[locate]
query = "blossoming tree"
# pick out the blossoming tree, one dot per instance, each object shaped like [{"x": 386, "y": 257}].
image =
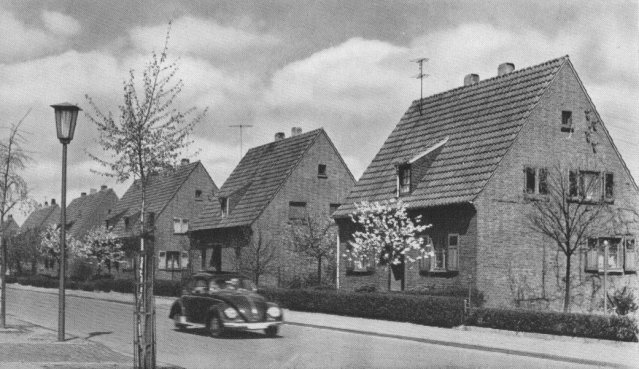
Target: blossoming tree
[
  {"x": 104, "y": 247},
  {"x": 49, "y": 245}
]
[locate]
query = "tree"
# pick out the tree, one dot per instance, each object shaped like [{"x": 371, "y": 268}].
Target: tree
[
  {"x": 387, "y": 233},
  {"x": 145, "y": 140},
  {"x": 566, "y": 216},
  {"x": 49, "y": 245},
  {"x": 23, "y": 249},
  {"x": 258, "y": 257},
  {"x": 103, "y": 246},
  {"x": 315, "y": 237},
  {"x": 13, "y": 194}
]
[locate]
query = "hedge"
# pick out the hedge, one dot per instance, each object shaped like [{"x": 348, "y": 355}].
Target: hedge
[
  {"x": 426, "y": 310},
  {"x": 608, "y": 327},
  {"x": 160, "y": 288}
]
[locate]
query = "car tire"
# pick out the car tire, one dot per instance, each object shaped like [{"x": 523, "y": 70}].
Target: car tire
[
  {"x": 272, "y": 331},
  {"x": 215, "y": 326}
]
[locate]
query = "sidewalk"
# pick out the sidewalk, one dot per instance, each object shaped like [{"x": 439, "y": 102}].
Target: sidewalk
[{"x": 569, "y": 349}]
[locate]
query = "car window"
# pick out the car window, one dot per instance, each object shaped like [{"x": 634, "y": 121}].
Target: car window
[{"x": 199, "y": 286}]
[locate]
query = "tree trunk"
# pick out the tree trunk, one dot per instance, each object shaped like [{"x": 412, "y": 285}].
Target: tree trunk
[
  {"x": 567, "y": 292},
  {"x": 319, "y": 271},
  {"x": 3, "y": 284}
]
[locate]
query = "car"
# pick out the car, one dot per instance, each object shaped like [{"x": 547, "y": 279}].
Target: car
[{"x": 222, "y": 302}]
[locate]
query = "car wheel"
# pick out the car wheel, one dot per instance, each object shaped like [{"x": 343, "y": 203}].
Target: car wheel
[
  {"x": 215, "y": 327},
  {"x": 180, "y": 326},
  {"x": 272, "y": 331}
]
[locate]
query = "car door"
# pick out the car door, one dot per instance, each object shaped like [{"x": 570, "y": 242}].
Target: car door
[{"x": 195, "y": 300}]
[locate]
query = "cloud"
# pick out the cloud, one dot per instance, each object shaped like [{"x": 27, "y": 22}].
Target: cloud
[
  {"x": 60, "y": 24},
  {"x": 19, "y": 41},
  {"x": 202, "y": 37}
]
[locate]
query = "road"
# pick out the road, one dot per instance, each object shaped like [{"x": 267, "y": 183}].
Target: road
[{"x": 110, "y": 323}]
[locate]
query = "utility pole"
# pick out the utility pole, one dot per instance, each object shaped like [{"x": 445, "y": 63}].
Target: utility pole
[
  {"x": 421, "y": 77},
  {"x": 241, "y": 126}
]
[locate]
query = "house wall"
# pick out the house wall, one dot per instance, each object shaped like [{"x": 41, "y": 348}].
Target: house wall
[
  {"x": 303, "y": 185},
  {"x": 182, "y": 205},
  {"x": 99, "y": 215},
  {"x": 513, "y": 262}
]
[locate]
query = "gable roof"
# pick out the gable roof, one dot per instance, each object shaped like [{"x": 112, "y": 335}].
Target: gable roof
[
  {"x": 255, "y": 181},
  {"x": 481, "y": 122},
  {"x": 42, "y": 217},
  {"x": 160, "y": 190},
  {"x": 10, "y": 225},
  {"x": 80, "y": 210}
]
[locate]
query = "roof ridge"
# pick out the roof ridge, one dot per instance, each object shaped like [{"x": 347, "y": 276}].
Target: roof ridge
[
  {"x": 492, "y": 79},
  {"x": 314, "y": 131}
]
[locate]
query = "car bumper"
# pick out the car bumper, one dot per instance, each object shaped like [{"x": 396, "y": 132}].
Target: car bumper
[{"x": 250, "y": 326}]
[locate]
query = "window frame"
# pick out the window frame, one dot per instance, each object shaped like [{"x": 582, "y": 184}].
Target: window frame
[
  {"x": 539, "y": 178},
  {"x": 300, "y": 206},
  {"x": 322, "y": 171},
  {"x": 445, "y": 262},
  {"x": 180, "y": 225},
  {"x": 404, "y": 179},
  {"x": 622, "y": 256},
  {"x": 566, "y": 121},
  {"x": 604, "y": 186},
  {"x": 198, "y": 195}
]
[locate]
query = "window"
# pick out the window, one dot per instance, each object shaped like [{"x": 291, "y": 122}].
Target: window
[
  {"x": 446, "y": 255},
  {"x": 332, "y": 208},
  {"x": 535, "y": 181},
  {"x": 127, "y": 224},
  {"x": 150, "y": 219},
  {"x": 621, "y": 254},
  {"x": 180, "y": 225},
  {"x": 404, "y": 174},
  {"x": 198, "y": 195},
  {"x": 224, "y": 205},
  {"x": 364, "y": 264},
  {"x": 566, "y": 121},
  {"x": 609, "y": 186},
  {"x": 169, "y": 260},
  {"x": 297, "y": 211},
  {"x": 591, "y": 186},
  {"x": 321, "y": 171},
  {"x": 184, "y": 261}
]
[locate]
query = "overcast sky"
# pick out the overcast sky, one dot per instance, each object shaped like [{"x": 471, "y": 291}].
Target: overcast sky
[{"x": 341, "y": 65}]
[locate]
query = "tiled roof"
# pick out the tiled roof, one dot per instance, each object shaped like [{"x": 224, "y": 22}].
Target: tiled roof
[
  {"x": 159, "y": 191},
  {"x": 80, "y": 210},
  {"x": 255, "y": 181},
  {"x": 10, "y": 226},
  {"x": 42, "y": 217},
  {"x": 481, "y": 122}
]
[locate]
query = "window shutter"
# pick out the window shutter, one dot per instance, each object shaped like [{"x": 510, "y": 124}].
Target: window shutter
[
  {"x": 452, "y": 258},
  {"x": 184, "y": 262},
  {"x": 177, "y": 225},
  {"x": 631, "y": 255},
  {"x": 572, "y": 179},
  {"x": 185, "y": 225},
  {"x": 162, "y": 260},
  {"x": 592, "y": 260}
]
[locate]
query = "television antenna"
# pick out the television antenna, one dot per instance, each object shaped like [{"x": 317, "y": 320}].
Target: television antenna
[
  {"x": 241, "y": 127},
  {"x": 421, "y": 77}
]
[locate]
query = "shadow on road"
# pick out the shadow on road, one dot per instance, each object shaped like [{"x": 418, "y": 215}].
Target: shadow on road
[
  {"x": 93, "y": 334},
  {"x": 233, "y": 335}
]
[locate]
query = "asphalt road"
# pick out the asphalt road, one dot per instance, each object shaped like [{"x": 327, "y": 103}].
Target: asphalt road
[{"x": 110, "y": 323}]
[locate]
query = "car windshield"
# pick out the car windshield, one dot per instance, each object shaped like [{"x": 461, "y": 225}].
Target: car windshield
[{"x": 231, "y": 283}]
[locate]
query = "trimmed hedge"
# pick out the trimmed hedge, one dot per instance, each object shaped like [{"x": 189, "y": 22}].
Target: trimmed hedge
[
  {"x": 608, "y": 327},
  {"x": 161, "y": 287},
  {"x": 426, "y": 310}
]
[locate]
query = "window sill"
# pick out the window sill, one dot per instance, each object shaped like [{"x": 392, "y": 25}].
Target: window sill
[
  {"x": 568, "y": 129},
  {"x": 611, "y": 271},
  {"x": 359, "y": 273},
  {"x": 591, "y": 202},
  {"x": 322, "y": 176},
  {"x": 439, "y": 273}
]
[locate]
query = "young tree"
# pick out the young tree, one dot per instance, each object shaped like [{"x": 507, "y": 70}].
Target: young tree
[
  {"x": 13, "y": 194},
  {"x": 258, "y": 257},
  {"x": 146, "y": 139},
  {"x": 104, "y": 247},
  {"x": 315, "y": 237},
  {"x": 49, "y": 245},
  {"x": 567, "y": 216},
  {"x": 386, "y": 232}
]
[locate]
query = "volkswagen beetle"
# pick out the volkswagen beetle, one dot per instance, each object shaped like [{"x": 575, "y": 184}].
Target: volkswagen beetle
[{"x": 224, "y": 301}]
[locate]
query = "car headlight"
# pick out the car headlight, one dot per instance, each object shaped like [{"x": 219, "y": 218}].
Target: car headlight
[
  {"x": 274, "y": 311},
  {"x": 230, "y": 313}
]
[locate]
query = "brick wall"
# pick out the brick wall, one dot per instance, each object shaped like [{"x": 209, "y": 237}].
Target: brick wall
[{"x": 511, "y": 257}]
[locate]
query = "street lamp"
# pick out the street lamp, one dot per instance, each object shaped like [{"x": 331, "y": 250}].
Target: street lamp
[{"x": 66, "y": 116}]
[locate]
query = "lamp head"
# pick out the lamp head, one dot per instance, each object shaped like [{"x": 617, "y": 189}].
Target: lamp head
[{"x": 66, "y": 116}]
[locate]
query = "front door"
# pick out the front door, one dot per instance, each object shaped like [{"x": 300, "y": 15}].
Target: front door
[{"x": 397, "y": 276}]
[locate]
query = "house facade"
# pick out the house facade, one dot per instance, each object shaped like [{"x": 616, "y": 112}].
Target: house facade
[
  {"x": 475, "y": 161},
  {"x": 173, "y": 200},
  {"x": 30, "y": 230},
  {"x": 89, "y": 211},
  {"x": 275, "y": 188}
]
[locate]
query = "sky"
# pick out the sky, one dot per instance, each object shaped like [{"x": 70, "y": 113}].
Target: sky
[{"x": 341, "y": 65}]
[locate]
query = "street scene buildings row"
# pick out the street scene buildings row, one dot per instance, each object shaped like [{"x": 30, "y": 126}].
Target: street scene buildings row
[{"x": 474, "y": 161}]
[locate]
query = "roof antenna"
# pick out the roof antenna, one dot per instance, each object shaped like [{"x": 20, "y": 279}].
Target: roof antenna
[
  {"x": 240, "y": 126},
  {"x": 421, "y": 77}
]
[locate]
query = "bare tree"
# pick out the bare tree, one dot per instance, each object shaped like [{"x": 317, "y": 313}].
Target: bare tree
[
  {"x": 13, "y": 193},
  {"x": 258, "y": 257},
  {"x": 568, "y": 215},
  {"x": 314, "y": 237},
  {"x": 147, "y": 139}
]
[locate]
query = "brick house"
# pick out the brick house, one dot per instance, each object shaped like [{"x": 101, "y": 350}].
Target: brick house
[
  {"x": 173, "y": 199},
  {"x": 472, "y": 161},
  {"x": 89, "y": 211},
  {"x": 35, "y": 223},
  {"x": 272, "y": 189}
]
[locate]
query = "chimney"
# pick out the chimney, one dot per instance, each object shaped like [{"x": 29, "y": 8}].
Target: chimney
[
  {"x": 52, "y": 202},
  {"x": 82, "y": 194},
  {"x": 103, "y": 187},
  {"x": 505, "y": 68},
  {"x": 46, "y": 203},
  {"x": 184, "y": 161},
  {"x": 470, "y": 79},
  {"x": 92, "y": 191},
  {"x": 279, "y": 136},
  {"x": 296, "y": 131}
]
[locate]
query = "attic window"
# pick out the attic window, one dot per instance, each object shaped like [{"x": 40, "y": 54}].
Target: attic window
[
  {"x": 127, "y": 224},
  {"x": 198, "y": 195},
  {"x": 566, "y": 121},
  {"x": 321, "y": 171},
  {"x": 403, "y": 179},
  {"x": 224, "y": 205}
]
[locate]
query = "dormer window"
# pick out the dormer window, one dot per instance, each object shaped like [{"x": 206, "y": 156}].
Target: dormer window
[
  {"x": 127, "y": 224},
  {"x": 198, "y": 195},
  {"x": 403, "y": 179},
  {"x": 224, "y": 205},
  {"x": 321, "y": 171},
  {"x": 566, "y": 121}
]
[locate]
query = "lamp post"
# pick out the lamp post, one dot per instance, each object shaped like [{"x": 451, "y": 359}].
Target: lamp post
[{"x": 66, "y": 116}]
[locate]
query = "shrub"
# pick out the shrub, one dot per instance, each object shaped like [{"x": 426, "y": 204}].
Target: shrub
[
  {"x": 425, "y": 310},
  {"x": 167, "y": 288},
  {"x": 607, "y": 327},
  {"x": 80, "y": 270},
  {"x": 623, "y": 301},
  {"x": 123, "y": 285}
]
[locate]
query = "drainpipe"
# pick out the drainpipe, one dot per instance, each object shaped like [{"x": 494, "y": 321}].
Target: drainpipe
[
  {"x": 605, "y": 277},
  {"x": 337, "y": 261}
]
